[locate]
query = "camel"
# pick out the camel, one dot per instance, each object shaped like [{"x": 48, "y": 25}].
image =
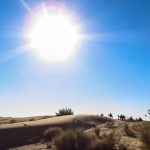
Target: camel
[
  {"x": 102, "y": 115},
  {"x": 121, "y": 117},
  {"x": 110, "y": 115},
  {"x": 130, "y": 118},
  {"x": 118, "y": 117}
]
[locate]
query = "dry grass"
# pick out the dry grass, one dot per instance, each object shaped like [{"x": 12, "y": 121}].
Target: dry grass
[
  {"x": 122, "y": 147},
  {"x": 13, "y": 121},
  {"x": 31, "y": 119},
  {"x": 73, "y": 140},
  {"x": 128, "y": 131},
  {"x": 50, "y": 133},
  {"x": 145, "y": 134},
  {"x": 108, "y": 142},
  {"x": 79, "y": 140},
  {"x": 110, "y": 124},
  {"x": 97, "y": 131},
  {"x": 102, "y": 145}
]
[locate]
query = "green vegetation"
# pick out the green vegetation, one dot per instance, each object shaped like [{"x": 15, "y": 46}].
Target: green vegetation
[{"x": 65, "y": 111}]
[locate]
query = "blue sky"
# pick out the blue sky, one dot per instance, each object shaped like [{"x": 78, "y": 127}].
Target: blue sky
[{"x": 109, "y": 73}]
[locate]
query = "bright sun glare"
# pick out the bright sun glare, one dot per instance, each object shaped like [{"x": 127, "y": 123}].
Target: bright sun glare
[{"x": 53, "y": 34}]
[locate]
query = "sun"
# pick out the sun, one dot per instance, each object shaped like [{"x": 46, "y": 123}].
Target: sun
[{"x": 53, "y": 35}]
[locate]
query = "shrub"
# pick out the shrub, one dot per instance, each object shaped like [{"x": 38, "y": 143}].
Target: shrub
[
  {"x": 79, "y": 140},
  {"x": 106, "y": 143},
  {"x": 31, "y": 119},
  {"x": 145, "y": 134},
  {"x": 50, "y": 133},
  {"x": 73, "y": 140},
  {"x": 49, "y": 145},
  {"x": 128, "y": 131},
  {"x": 65, "y": 111},
  {"x": 109, "y": 141},
  {"x": 110, "y": 124},
  {"x": 97, "y": 131},
  {"x": 122, "y": 147},
  {"x": 13, "y": 121}
]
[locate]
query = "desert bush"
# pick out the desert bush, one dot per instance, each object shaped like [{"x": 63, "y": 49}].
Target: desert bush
[
  {"x": 97, "y": 131},
  {"x": 50, "y": 133},
  {"x": 122, "y": 147},
  {"x": 13, "y": 121},
  {"x": 49, "y": 145},
  {"x": 110, "y": 124},
  {"x": 145, "y": 134},
  {"x": 107, "y": 142},
  {"x": 64, "y": 111},
  {"x": 102, "y": 145},
  {"x": 31, "y": 119},
  {"x": 128, "y": 131},
  {"x": 73, "y": 140},
  {"x": 79, "y": 140}
]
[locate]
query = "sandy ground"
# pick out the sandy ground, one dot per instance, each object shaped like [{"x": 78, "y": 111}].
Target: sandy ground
[
  {"x": 58, "y": 120},
  {"x": 105, "y": 125},
  {"x": 37, "y": 146},
  {"x": 20, "y": 133},
  {"x": 132, "y": 143},
  {"x": 10, "y": 120}
]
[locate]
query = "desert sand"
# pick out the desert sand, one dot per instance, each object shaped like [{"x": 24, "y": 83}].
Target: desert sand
[{"x": 25, "y": 135}]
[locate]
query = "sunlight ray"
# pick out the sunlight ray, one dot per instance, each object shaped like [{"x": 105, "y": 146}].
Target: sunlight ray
[
  {"x": 26, "y": 6},
  {"x": 12, "y": 53}
]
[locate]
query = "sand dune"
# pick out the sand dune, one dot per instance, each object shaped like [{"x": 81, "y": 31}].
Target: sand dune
[
  {"x": 8, "y": 120},
  {"x": 117, "y": 127},
  {"x": 29, "y": 131}
]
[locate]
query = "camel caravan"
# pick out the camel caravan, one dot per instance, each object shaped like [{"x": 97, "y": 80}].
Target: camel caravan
[{"x": 123, "y": 117}]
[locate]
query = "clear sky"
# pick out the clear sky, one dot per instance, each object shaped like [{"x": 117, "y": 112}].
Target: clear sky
[{"x": 109, "y": 73}]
